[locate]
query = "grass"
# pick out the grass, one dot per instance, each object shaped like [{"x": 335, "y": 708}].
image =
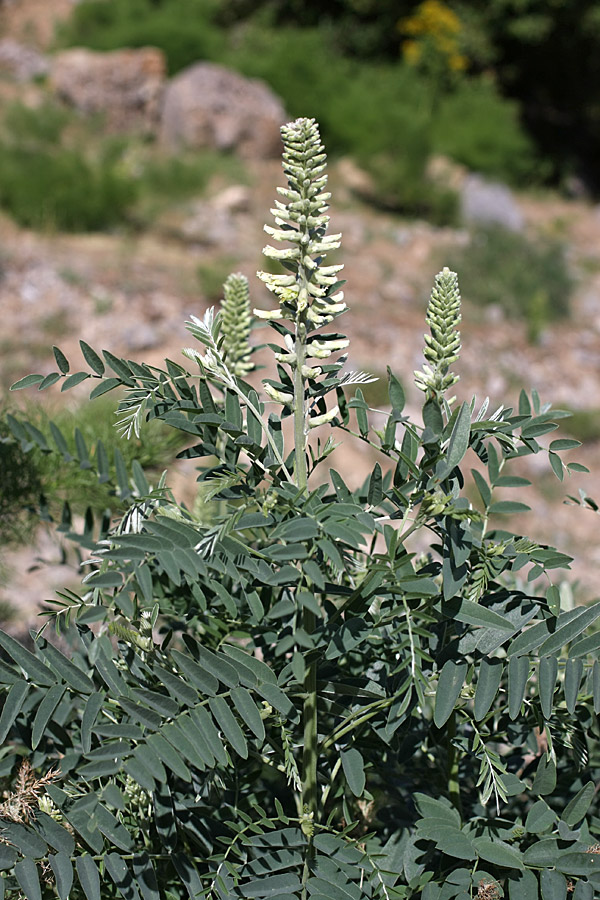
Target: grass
[
  {"x": 59, "y": 172},
  {"x": 526, "y": 277}
]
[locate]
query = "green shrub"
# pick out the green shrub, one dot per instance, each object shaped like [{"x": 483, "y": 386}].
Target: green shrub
[
  {"x": 183, "y": 29},
  {"x": 287, "y": 701},
  {"x": 527, "y": 278},
  {"x": 475, "y": 126},
  {"x": 48, "y": 182}
]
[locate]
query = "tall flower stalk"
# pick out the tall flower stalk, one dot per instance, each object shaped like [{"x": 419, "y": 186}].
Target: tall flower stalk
[
  {"x": 308, "y": 295},
  {"x": 309, "y": 299}
]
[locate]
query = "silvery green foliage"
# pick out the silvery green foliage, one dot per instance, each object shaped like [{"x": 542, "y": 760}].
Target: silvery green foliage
[{"x": 275, "y": 696}]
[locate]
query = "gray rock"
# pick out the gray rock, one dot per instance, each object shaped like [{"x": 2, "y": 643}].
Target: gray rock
[
  {"x": 20, "y": 62},
  {"x": 208, "y": 105},
  {"x": 125, "y": 86},
  {"x": 490, "y": 203}
]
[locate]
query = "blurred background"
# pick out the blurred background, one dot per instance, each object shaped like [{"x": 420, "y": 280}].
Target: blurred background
[{"x": 139, "y": 155}]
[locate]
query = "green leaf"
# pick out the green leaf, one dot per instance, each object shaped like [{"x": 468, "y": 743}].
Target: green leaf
[
  {"x": 67, "y": 670},
  {"x": 354, "y": 770},
  {"x": 61, "y": 360},
  {"x": 26, "y": 874},
  {"x": 572, "y": 629},
  {"x": 498, "y": 853},
  {"x": 583, "y": 891},
  {"x": 204, "y": 722},
  {"x": 93, "y": 706},
  {"x": 545, "y": 776},
  {"x": 577, "y": 863},
  {"x": 54, "y": 834},
  {"x": 518, "y": 673},
  {"x": 475, "y": 614},
  {"x": 548, "y": 672},
  {"x": 396, "y": 393},
  {"x": 459, "y": 442},
  {"x": 579, "y": 805},
  {"x": 140, "y": 714},
  {"x": 120, "y": 874},
  {"x": 375, "y": 489},
  {"x": 274, "y": 886},
  {"x": 111, "y": 828},
  {"x": 26, "y": 382},
  {"x": 229, "y": 725},
  {"x": 248, "y": 711},
  {"x": 508, "y": 507},
  {"x": 483, "y": 487},
  {"x": 564, "y": 444},
  {"x": 361, "y": 407},
  {"x": 488, "y": 683},
  {"x": 106, "y": 385},
  {"x": 204, "y": 681},
  {"x": 557, "y": 465},
  {"x": 169, "y": 756},
  {"x": 539, "y": 818},
  {"x": 30, "y": 663},
  {"x": 523, "y": 885},
  {"x": 92, "y": 358},
  {"x": 573, "y": 675},
  {"x": 118, "y": 366},
  {"x": 73, "y": 380},
  {"x": 48, "y": 381},
  {"x": 451, "y": 682},
  {"x": 25, "y": 839},
  {"x": 188, "y": 875},
  {"x": 63, "y": 873},
  {"x": 553, "y": 598},
  {"x": 12, "y": 707},
  {"x": 87, "y": 872},
  {"x": 163, "y": 705},
  {"x": 44, "y": 712},
  {"x": 8, "y": 856},
  {"x": 145, "y": 876},
  {"x": 553, "y": 885}
]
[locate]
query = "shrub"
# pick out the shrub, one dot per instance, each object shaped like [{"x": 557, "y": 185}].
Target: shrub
[
  {"x": 286, "y": 701},
  {"x": 475, "y": 126},
  {"x": 183, "y": 29},
  {"x": 47, "y": 184},
  {"x": 527, "y": 278}
]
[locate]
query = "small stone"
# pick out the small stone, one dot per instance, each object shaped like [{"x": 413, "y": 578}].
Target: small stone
[{"x": 490, "y": 203}]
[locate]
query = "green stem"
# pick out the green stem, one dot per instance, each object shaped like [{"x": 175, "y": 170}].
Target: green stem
[
  {"x": 300, "y": 467},
  {"x": 453, "y": 782}
]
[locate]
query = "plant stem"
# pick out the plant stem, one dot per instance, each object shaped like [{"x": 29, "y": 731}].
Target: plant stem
[
  {"x": 300, "y": 468},
  {"x": 453, "y": 783}
]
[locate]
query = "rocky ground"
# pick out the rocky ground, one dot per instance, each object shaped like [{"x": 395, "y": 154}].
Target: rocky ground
[{"x": 131, "y": 293}]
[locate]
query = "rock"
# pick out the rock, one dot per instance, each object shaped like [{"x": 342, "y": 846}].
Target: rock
[
  {"x": 208, "y": 105},
  {"x": 20, "y": 62},
  {"x": 233, "y": 199},
  {"x": 490, "y": 203},
  {"x": 126, "y": 86}
]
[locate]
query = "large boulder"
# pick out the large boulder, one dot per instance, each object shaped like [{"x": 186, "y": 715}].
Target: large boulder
[
  {"x": 125, "y": 86},
  {"x": 208, "y": 105}
]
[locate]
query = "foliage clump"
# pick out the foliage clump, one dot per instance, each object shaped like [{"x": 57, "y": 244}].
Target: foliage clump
[{"x": 278, "y": 697}]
